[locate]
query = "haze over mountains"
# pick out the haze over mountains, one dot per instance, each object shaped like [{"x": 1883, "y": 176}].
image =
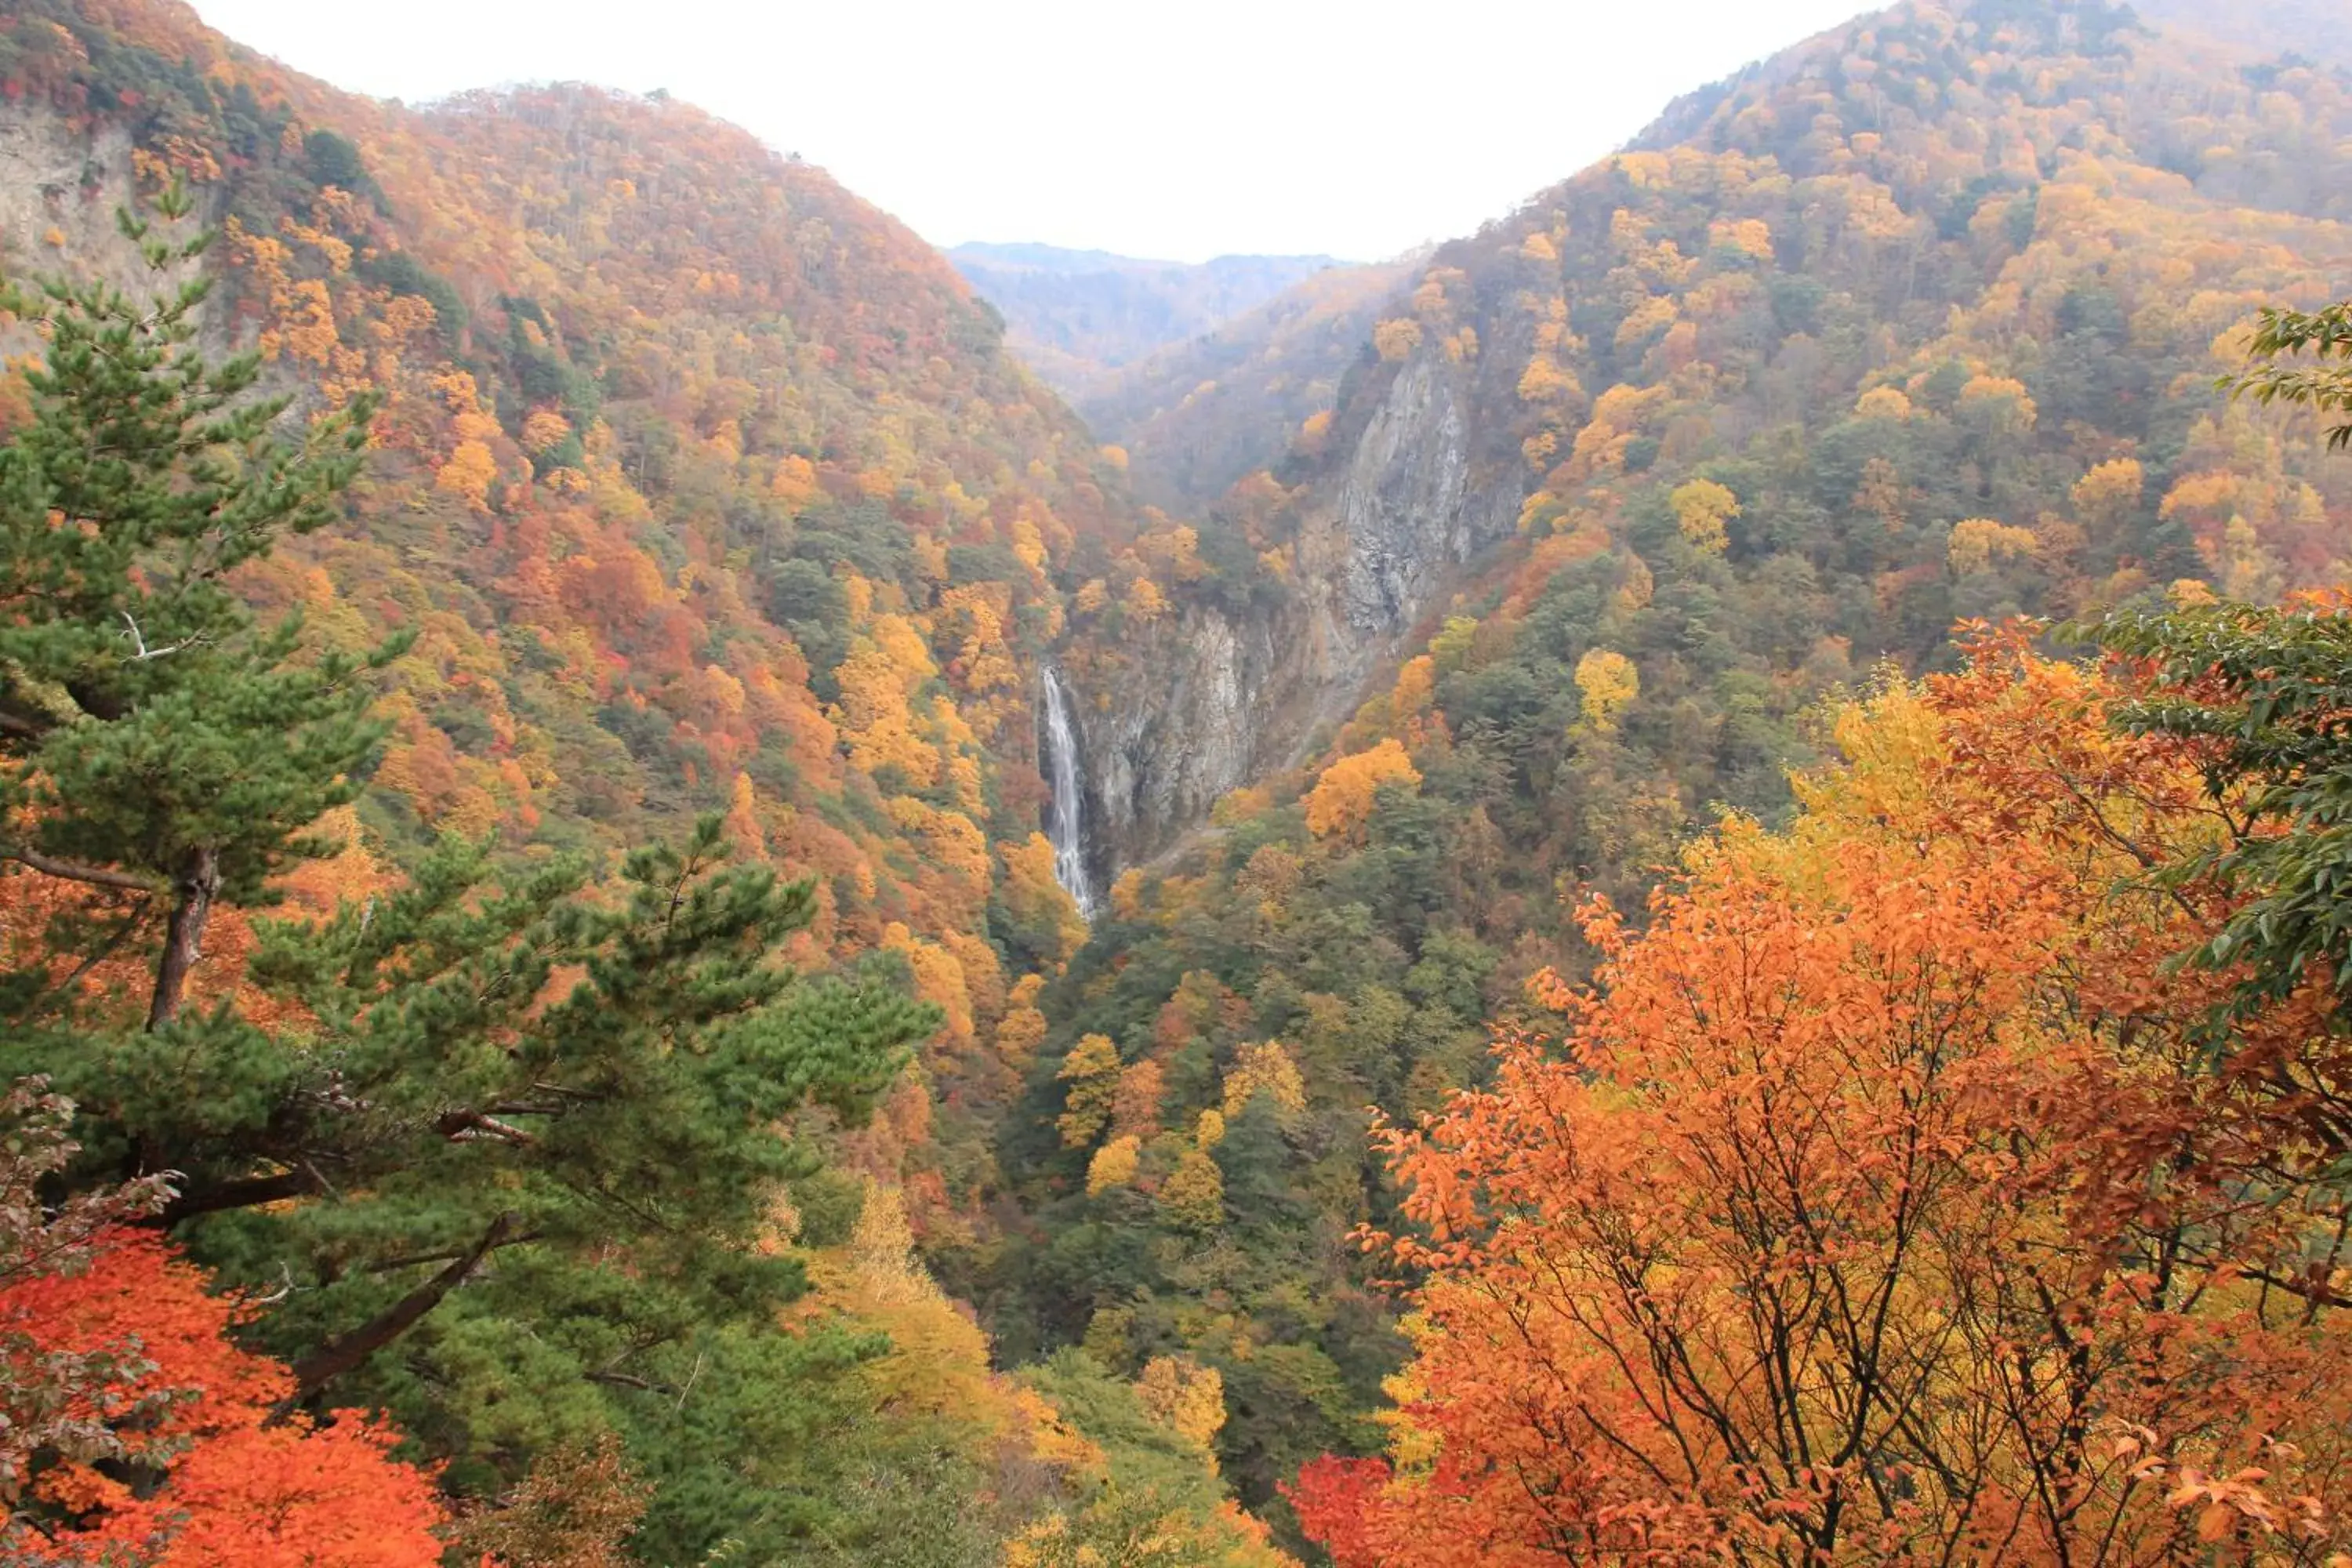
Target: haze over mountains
[
  {"x": 1336, "y": 630},
  {"x": 1074, "y": 314}
]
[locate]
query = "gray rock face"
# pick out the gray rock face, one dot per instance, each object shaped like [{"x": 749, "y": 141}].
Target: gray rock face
[
  {"x": 1182, "y": 728},
  {"x": 1207, "y": 702},
  {"x": 1401, "y": 513}
]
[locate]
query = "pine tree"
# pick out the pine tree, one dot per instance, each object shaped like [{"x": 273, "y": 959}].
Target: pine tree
[
  {"x": 157, "y": 743},
  {"x": 491, "y": 1141}
]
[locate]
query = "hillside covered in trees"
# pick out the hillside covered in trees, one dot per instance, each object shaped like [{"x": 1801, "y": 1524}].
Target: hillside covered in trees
[
  {"x": 540, "y": 1010},
  {"x": 1916, "y": 325},
  {"x": 697, "y": 557}
]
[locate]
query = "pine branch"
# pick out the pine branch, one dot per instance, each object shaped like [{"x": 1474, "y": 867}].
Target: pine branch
[
  {"x": 338, "y": 1356},
  {"x": 77, "y": 872}
]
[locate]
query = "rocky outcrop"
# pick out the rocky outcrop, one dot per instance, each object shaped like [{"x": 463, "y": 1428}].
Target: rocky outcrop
[
  {"x": 1182, "y": 725},
  {"x": 1204, "y": 702}
]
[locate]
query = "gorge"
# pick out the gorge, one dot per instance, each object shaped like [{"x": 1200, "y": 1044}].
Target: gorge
[{"x": 839, "y": 956}]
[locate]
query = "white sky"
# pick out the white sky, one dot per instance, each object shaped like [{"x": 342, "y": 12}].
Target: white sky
[{"x": 1174, "y": 131}]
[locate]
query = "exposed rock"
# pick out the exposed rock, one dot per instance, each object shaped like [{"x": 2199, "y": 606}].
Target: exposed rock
[{"x": 1204, "y": 702}]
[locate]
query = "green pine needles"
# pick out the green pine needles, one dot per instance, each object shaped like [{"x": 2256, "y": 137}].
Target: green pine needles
[{"x": 158, "y": 741}]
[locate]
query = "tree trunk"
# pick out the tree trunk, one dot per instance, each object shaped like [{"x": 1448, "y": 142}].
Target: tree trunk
[
  {"x": 331, "y": 1360},
  {"x": 183, "y": 938}
]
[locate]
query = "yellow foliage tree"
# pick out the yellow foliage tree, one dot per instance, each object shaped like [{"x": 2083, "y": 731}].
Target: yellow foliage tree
[
  {"x": 1609, "y": 683},
  {"x": 1113, "y": 1165},
  {"x": 2107, "y": 495},
  {"x": 1882, "y": 403},
  {"x": 1091, "y": 1070},
  {"x": 1267, "y": 1069},
  {"x": 1415, "y": 684},
  {"x": 1019, "y": 1034},
  {"x": 1127, "y": 893},
  {"x": 1397, "y": 339},
  {"x": 874, "y": 715},
  {"x": 1998, "y": 404},
  {"x": 1702, "y": 507},
  {"x": 1978, "y": 542},
  {"x": 1145, "y": 602},
  {"x": 469, "y": 474},
  {"x": 1184, "y": 1396},
  {"x": 1193, "y": 1196}
]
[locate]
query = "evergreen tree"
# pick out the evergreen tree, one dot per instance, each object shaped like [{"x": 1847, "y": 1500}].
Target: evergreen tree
[
  {"x": 156, "y": 741},
  {"x": 488, "y": 1141}
]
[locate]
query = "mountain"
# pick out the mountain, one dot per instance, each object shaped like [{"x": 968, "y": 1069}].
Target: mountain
[
  {"x": 699, "y": 485},
  {"x": 1195, "y": 417},
  {"x": 1425, "y": 602},
  {"x": 1460, "y": 418},
  {"x": 1076, "y": 315},
  {"x": 1918, "y": 322}
]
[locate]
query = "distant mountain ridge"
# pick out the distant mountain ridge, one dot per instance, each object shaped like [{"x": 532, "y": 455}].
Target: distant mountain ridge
[
  {"x": 1196, "y": 417},
  {"x": 2317, "y": 30},
  {"x": 1079, "y": 315}
]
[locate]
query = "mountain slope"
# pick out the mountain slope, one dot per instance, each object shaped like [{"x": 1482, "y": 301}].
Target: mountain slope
[
  {"x": 702, "y": 486},
  {"x": 1197, "y": 417},
  {"x": 1079, "y": 315},
  {"x": 1915, "y": 322}
]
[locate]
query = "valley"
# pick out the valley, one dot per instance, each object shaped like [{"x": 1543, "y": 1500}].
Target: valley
[{"x": 795, "y": 898}]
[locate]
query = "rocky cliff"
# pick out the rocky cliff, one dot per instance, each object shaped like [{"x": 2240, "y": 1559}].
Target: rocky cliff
[
  {"x": 1666, "y": 307},
  {"x": 1408, "y": 492}
]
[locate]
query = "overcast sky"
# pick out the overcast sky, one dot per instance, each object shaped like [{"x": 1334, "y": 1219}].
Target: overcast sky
[{"x": 1178, "y": 130}]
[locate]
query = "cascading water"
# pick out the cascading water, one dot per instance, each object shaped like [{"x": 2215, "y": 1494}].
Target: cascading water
[{"x": 1066, "y": 823}]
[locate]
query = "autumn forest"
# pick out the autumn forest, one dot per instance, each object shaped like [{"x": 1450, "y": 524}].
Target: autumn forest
[{"x": 1669, "y": 884}]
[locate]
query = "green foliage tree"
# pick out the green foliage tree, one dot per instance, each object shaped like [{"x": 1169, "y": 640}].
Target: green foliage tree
[
  {"x": 2264, "y": 692},
  {"x": 596, "y": 1080},
  {"x": 155, "y": 739},
  {"x": 2323, "y": 384}
]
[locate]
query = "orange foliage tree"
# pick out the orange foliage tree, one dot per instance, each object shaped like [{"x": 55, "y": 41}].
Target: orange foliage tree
[
  {"x": 1883, "y": 1202},
  {"x": 1341, "y": 801}
]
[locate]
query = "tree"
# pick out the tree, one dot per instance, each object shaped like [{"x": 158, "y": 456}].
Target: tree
[
  {"x": 1091, "y": 1070},
  {"x": 59, "y": 1404},
  {"x": 1607, "y": 681},
  {"x": 576, "y": 1510},
  {"x": 585, "y": 1085},
  {"x": 1701, "y": 509},
  {"x": 1192, "y": 1198},
  {"x": 2325, "y": 386},
  {"x": 1264, "y": 1068},
  {"x": 157, "y": 743},
  {"x": 1341, "y": 801},
  {"x": 179, "y": 1458},
  {"x": 1879, "y": 1202},
  {"x": 2259, "y": 695},
  {"x": 1113, "y": 1165}
]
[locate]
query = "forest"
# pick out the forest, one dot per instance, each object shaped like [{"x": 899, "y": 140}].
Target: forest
[{"x": 1795, "y": 1017}]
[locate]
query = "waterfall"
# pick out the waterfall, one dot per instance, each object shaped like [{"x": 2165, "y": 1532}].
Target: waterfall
[{"x": 1065, "y": 821}]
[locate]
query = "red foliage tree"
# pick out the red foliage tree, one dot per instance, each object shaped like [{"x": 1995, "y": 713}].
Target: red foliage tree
[{"x": 218, "y": 1481}]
